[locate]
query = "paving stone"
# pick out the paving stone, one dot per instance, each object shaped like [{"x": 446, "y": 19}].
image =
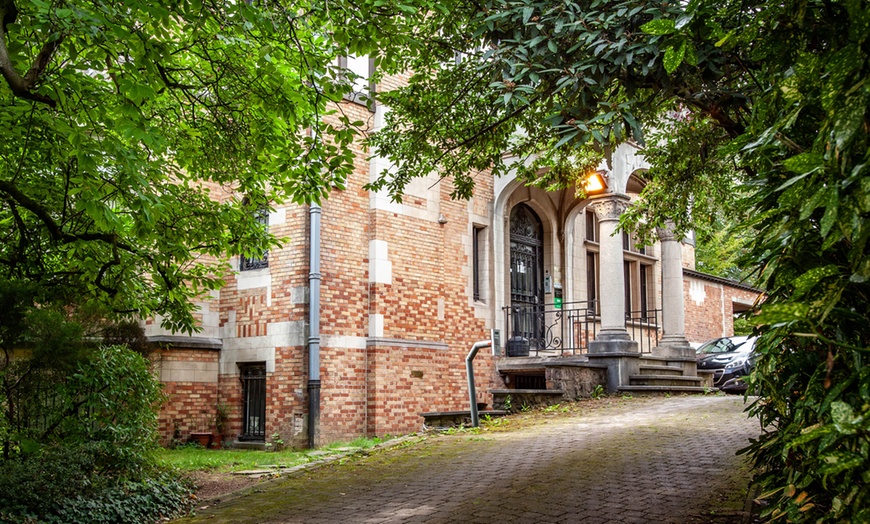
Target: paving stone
[{"x": 655, "y": 460}]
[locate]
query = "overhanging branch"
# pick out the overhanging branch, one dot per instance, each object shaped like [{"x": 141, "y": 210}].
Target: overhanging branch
[{"x": 22, "y": 87}]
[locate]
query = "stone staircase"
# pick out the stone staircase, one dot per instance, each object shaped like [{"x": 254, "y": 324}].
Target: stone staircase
[{"x": 657, "y": 375}]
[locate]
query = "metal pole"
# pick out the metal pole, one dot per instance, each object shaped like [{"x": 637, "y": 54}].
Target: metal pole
[
  {"x": 469, "y": 370},
  {"x": 314, "y": 213}
]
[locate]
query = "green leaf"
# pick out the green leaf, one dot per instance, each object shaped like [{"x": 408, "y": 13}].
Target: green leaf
[
  {"x": 659, "y": 27},
  {"x": 527, "y": 14},
  {"x": 830, "y": 217},
  {"x": 781, "y": 313},
  {"x": 804, "y": 163},
  {"x": 808, "y": 280},
  {"x": 838, "y": 462},
  {"x": 722, "y": 41},
  {"x": 674, "y": 57},
  {"x": 848, "y": 119},
  {"x": 844, "y": 417}
]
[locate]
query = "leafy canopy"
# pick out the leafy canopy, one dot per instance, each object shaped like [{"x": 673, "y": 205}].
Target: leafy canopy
[
  {"x": 769, "y": 102},
  {"x": 129, "y": 127}
]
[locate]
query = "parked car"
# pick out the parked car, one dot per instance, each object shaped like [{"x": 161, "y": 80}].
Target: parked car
[{"x": 728, "y": 357}]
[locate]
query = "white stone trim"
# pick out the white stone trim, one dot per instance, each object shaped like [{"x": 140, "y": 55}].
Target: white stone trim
[
  {"x": 380, "y": 267},
  {"x": 259, "y": 349},
  {"x": 376, "y": 325}
]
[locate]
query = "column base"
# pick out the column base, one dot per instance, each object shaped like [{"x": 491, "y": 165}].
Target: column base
[
  {"x": 674, "y": 346},
  {"x": 615, "y": 347}
]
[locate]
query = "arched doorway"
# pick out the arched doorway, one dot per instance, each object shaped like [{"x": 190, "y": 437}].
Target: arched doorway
[{"x": 527, "y": 279}]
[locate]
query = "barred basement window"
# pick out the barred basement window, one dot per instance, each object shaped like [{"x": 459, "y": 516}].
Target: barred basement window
[{"x": 249, "y": 263}]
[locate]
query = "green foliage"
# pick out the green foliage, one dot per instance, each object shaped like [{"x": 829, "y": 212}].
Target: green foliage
[
  {"x": 54, "y": 488},
  {"x": 78, "y": 441},
  {"x": 768, "y": 106},
  {"x": 743, "y": 326},
  {"x": 109, "y": 399},
  {"x": 693, "y": 182},
  {"x": 126, "y": 127},
  {"x": 598, "y": 392}
]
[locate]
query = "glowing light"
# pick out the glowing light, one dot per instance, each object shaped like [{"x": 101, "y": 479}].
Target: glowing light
[{"x": 594, "y": 183}]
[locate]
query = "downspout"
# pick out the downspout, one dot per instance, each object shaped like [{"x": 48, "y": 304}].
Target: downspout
[
  {"x": 469, "y": 370},
  {"x": 314, "y": 213}
]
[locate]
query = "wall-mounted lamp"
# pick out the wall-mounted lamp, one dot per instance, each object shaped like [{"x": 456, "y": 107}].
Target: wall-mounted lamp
[
  {"x": 595, "y": 183},
  {"x": 442, "y": 219}
]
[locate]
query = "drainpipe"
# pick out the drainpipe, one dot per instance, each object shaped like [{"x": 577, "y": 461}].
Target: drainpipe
[
  {"x": 469, "y": 370},
  {"x": 314, "y": 213}
]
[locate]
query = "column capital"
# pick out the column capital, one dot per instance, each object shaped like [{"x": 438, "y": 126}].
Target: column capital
[
  {"x": 610, "y": 207},
  {"x": 667, "y": 232}
]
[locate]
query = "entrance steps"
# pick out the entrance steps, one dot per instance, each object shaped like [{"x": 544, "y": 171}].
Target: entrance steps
[{"x": 658, "y": 375}]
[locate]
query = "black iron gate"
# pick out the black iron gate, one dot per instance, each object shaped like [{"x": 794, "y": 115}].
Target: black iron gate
[
  {"x": 527, "y": 279},
  {"x": 253, "y": 402}
]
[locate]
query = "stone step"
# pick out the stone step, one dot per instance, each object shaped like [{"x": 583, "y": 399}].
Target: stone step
[
  {"x": 660, "y": 390},
  {"x": 520, "y": 398},
  {"x": 663, "y": 380},
  {"x": 667, "y": 359},
  {"x": 660, "y": 370},
  {"x": 706, "y": 376},
  {"x": 454, "y": 419}
]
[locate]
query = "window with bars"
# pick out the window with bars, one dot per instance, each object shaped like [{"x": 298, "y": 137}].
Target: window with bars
[{"x": 261, "y": 216}]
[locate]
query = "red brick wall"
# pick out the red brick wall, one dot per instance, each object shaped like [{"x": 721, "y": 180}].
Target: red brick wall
[
  {"x": 405, "y": 382},
  {"x": 710, "y": 306},
  {"x": 286, "y": 394},
  {"x": 190, "y": 406},
  {"x": 230, "y": 393},
  {"x": 375, "y": 389}
]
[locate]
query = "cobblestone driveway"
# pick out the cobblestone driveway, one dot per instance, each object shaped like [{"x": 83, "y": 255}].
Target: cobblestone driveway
[{"x": 668, "y": 460}]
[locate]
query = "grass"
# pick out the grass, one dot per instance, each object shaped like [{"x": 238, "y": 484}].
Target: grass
[{"x": 191, "y": 457}]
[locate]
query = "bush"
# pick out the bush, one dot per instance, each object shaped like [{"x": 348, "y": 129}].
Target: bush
[
  {"x": 87, "y": 456},
  {"x": 60, "y": 486}
]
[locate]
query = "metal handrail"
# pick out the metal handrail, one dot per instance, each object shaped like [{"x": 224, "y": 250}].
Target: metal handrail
[
  {"x": 564, "y": 328},
  {"x": 569, "y": 327}
]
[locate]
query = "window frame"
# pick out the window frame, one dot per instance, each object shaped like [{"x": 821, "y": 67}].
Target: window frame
[
  {"x": 261, "y": 216},
  {"x": 360, "y": 97}
]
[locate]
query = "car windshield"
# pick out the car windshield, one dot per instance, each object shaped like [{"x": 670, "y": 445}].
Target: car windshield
[{"x": 722, "y": 345}]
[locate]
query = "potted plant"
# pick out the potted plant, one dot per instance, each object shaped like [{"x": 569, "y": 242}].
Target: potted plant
[
  {"x": 202, "y": 435},
  {"x": 222, "y": 415}
]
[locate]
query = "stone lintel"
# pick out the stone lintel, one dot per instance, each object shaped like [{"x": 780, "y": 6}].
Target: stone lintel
[{"x": 184, "y": 342}]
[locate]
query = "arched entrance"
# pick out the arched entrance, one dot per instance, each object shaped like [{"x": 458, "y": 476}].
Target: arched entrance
[{"x": 527, "y": 279}]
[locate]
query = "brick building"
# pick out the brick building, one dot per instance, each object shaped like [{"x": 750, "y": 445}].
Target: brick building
[{"x": 405, "y": 289}]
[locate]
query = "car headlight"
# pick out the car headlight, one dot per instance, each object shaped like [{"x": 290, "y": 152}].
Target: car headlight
[{"x": 737, "y": 362}]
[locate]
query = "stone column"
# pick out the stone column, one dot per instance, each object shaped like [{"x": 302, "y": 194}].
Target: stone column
[
  {"x": 673, "y": 342},
  {"x": 613, "y": 337}
]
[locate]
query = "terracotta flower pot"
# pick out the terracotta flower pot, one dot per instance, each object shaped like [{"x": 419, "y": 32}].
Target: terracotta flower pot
[{"x": 203, "y": 439}]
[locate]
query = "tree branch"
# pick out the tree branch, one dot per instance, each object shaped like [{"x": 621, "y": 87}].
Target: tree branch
[
  {"x": 54, "y": 229},
  {"x": 22, "y": 87}
]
